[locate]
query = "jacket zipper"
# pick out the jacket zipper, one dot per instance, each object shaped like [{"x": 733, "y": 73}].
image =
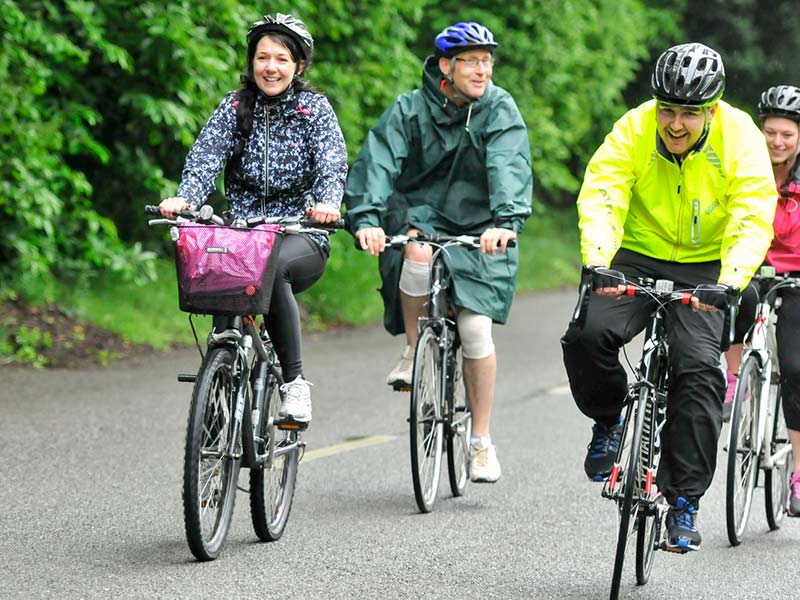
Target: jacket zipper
[
  {"x": 680, "y": 213},
  {"x": 695, "y": 221},
  {"x": 266, "y": 162}
]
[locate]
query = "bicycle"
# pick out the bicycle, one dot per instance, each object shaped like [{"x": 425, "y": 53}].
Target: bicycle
[
  {"x": 641, "y": 508},
  {"x": 234, "y": 417},
  {"x": 757, "y": 436},
  {"x": 440, "y": 415}
]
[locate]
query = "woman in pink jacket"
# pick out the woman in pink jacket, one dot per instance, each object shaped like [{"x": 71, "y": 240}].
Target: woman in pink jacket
[{"x": 779, "y": 112}]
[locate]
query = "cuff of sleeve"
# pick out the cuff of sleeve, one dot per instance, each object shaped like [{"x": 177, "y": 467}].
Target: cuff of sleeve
[{"x": 515, "y": 226}]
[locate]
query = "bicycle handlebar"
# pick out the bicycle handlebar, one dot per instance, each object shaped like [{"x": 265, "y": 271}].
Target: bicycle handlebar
[
  {"x": 660, "y": 290},
  {"x": 206, "y": 215},
  {"x": 440, "y": 239}
]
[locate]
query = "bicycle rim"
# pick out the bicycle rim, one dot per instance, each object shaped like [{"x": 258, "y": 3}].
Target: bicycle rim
[
  {"x": 742, "y": 456},
  {"x": 209, "y": 476},
  {"x": 425, "y": 420},
  {"x": 776, "y": 480},
  {"x": 629, "y": 509},
  {"x": 272, "y": 486},
  {"x": 459, "y": 428}
]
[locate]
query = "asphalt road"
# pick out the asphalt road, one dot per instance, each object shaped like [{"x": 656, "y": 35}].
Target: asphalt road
[{"x": 91, "y": 477}]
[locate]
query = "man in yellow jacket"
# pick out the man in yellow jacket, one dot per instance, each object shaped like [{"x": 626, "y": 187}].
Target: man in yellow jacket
[{"x": 681, "y": 189}]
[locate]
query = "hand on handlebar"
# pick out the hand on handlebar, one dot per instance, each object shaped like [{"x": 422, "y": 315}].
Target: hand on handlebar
[
  {"x": 372, "y": 239},
  {"x": 495, "y": 240},
  {"x": 171, "y": 206},
  {"x": 323, "y": 213},
  {"x": 710, "y": 297},
  {"x": 607, "y": 282}
]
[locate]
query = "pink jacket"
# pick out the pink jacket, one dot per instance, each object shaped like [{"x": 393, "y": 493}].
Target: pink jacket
[{"x": 784, "y": 254}]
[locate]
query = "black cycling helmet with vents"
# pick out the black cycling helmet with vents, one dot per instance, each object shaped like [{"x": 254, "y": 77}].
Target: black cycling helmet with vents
[
  {"x": 288, "y": 25},
  {"x": 780, "y": 101},
  {"x": 689, "y": 74}
]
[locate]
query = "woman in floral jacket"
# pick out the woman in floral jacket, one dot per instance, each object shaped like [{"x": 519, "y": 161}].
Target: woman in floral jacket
[{"x": 283, "y": 153}]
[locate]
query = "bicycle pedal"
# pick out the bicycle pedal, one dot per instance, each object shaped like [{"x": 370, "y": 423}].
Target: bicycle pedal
[
  {"x": 289, "y": 424},
  {"x": 401, "y": 387},
  {"x": 673, "y": 549}
]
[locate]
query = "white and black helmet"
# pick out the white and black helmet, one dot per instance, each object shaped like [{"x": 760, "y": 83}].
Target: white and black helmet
[
  {"x": 780, "y": 101},
  {"x": 287, "y": 24},
  {"x": 689, "y": 74}
]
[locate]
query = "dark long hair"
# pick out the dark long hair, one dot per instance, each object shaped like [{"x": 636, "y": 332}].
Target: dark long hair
[{"x": 247, "y": 94}]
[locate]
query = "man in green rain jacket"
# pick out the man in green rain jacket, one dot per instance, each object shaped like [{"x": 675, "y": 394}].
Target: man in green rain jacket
[{"x": 452, "y": 157}]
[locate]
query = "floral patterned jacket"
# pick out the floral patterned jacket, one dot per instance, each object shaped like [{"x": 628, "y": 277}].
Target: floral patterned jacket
[{"x": 294, "y": 157}]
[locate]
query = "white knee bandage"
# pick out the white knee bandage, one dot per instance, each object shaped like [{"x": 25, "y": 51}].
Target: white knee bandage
[
  {"x": 476, "y": 334},
  {"x": 414, "y": 278}
]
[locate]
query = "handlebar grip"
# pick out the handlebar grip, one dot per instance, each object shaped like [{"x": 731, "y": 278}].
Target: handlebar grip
[
  {"x": 338, "y": 224},
  {"x": 149, "y": 209}
]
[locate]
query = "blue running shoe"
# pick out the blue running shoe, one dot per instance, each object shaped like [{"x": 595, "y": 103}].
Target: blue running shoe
[
  {"x": 602, "y": 450},
  {"x": 682, "y": 533}
]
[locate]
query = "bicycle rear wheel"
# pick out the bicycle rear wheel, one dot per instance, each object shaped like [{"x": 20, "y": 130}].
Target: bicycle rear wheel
[
  {"x": 209, "y": 474},
  {"x": 425, "y": 420},
  {"x": 742, "y": 450},
  {"x": 776, "y": 479},
  {"x": 631, "y": 493},
  {"x": 272, "y": 484},
  {"x": 459, "y": 426}
]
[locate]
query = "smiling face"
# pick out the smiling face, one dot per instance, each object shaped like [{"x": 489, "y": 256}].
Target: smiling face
[
  {"x": 470, "y": 72},
  {"x": 273, "y": 66},
  {"x": 782, "y": 138},
  {"x": 680, "y": 127}
]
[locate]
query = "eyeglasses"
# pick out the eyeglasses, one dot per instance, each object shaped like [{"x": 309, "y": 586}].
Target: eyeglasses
[{"x": 472, "y": 63}]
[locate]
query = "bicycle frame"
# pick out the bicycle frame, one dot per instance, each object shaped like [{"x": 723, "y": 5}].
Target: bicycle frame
[{"x": 760, "y": 342}]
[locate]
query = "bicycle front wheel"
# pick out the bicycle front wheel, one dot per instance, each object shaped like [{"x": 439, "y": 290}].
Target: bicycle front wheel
[
  {"x": 631, "y": 494},
  {"x": 426, "y": 419},
  {"x": 459, "y": 426},
  {"x": 272, "y": 484},
  {"x": 742, "y": 450},
  {"x": 209, "y": 473},
  {"x": 776, "y": 479}
]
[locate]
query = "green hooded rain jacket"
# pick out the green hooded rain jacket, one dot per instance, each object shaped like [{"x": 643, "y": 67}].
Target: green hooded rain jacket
[{"x": 443, "y": 169}]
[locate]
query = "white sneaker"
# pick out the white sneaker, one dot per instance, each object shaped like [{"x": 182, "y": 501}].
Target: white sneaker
[
  {"x": 403, "y": 372},
  {"x": 483, "y": 464},
  {"x": 296, "y": 400}
]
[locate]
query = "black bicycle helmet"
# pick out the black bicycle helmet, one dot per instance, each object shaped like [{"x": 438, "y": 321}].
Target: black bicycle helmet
[
  {"x": 462, "y": 37},
  {"x": 689, "y": 74},
  {"x": 287, "y": 24},
  {"x": 780, "y": 101}
]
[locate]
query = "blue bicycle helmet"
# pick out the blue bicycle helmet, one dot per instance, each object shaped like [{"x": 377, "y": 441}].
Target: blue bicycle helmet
[
  {"x": 464, "y": 36},
  {"x": 689, "y": 74}
]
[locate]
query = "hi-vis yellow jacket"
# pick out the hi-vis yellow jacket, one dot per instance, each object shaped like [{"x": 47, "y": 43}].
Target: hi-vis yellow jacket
[{"x": 717, "y": 205}]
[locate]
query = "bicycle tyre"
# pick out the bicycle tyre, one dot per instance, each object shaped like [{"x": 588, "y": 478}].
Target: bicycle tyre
[
  {"x": 631, "y": 477},
  {"x": 272, "y": 487},
  {"x": 742, "y": 455},
  {"x": 647, "y": 534},
  {"x": 776, "y": 479},
  {"x": 459, "y": 427},
  {"x": 425, "y": 419},
  {"x": 210, "y": 477}
]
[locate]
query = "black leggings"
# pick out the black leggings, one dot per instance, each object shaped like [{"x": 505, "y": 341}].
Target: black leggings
[
  {"x": 696, "y": 386},
  {"x": 301, "y": 262},
  {"x": 787, "y": 333}
]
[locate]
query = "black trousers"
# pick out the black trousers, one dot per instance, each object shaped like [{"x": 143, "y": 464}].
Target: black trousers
[
  {"x": 787, "y": 333},
  {"x": 696, "y": 385},
  {"x": 301, "y": 262}
]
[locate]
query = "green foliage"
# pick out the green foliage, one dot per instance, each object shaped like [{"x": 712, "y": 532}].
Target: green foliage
[
  {"x": 47, "y": 225},
  {"x": 25, "y": 345}
]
